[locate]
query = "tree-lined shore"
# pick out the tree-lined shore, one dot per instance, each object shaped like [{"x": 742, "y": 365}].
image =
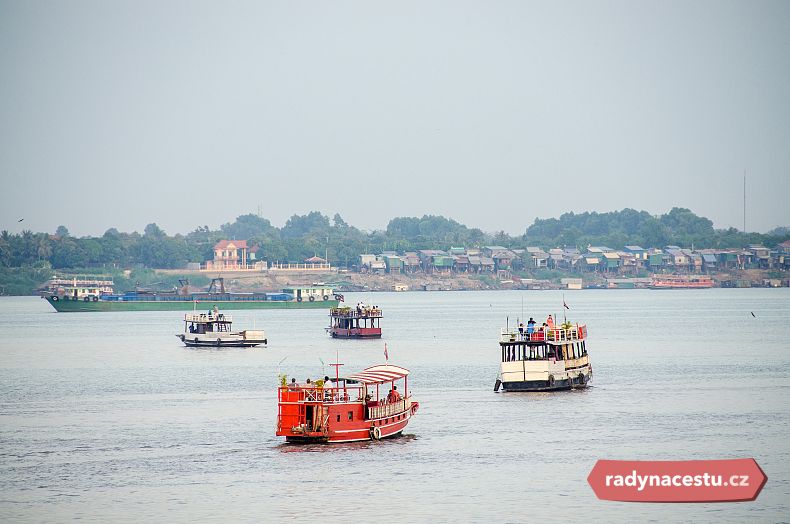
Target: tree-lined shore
[{"x": 29, "y": 256}]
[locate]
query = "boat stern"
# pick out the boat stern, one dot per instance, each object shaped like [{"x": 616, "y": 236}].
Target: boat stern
[{"x": 299, "y": 418}]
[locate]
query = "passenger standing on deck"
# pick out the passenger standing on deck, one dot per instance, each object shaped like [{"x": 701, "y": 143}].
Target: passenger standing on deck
[
  {"x": 530, "y": 326},
  {"x": 550, "y": 322},
  {"x": 326, "y": 385},
  {"x": 215, "y": 310}
]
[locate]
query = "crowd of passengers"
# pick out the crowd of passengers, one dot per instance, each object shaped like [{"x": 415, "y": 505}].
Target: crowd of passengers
[
  {"x": 530, "y": 329},
  {"x": 361, "y": 310},
  {"x": 526, "y": 333}
]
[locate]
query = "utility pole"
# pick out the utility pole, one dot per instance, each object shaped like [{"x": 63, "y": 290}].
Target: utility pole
[{"x": 744, "y": 201}]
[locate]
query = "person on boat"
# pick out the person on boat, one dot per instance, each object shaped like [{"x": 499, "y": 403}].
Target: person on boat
[
  {"x": 215, "y": 310},
  {"x": 520, "y": 328},
  {"x": 550, "y": 322},
  {"x": 530, "y": 326},
  {"x": 540, "y": 333},
  {"x": 309, "y": 383},
  {"x": 325, "y": 384},
  {"x": 393, "y": 395},
  {"x": 294, "y": 384}
]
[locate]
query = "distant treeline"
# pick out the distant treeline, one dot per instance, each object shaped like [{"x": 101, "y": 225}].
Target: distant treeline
[{"x": 312, "y": 234}]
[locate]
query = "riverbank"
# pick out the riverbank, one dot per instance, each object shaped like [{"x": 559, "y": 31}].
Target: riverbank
[{"x": 349, "y": 282}]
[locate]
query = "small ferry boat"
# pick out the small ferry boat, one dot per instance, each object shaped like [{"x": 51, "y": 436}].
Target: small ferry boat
[
  {"x": 681, "y": 282},
  {"x": 214, "y": 330},
  {"x": 367, "y": 405},
  {"x": 359, "y": 322},
  {"x": 551, "y": 358}
]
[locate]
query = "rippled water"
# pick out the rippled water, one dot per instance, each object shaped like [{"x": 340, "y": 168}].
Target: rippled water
[{"x": 107, "y": 417}]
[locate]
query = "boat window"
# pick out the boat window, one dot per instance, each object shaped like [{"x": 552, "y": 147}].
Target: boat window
[
  {"x": 350, "y": 415},
  {"x": 338, "y": 417}
]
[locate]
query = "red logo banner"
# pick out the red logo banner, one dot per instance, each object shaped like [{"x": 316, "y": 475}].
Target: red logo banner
[{"x": 730, "y": 480}]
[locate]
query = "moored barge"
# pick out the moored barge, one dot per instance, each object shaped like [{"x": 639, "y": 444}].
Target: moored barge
[
  {"x": 96, "y": 294},
  {"x": 681, "y": 282}
]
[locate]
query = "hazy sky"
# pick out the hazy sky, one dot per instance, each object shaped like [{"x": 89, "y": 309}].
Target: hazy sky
[{"x": 118, "y": 114}]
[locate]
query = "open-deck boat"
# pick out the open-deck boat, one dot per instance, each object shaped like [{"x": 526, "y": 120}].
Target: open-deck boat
[
  {"x": 363, "y": 406},
  {"x": 359, "y": 322},
  {"x": 214, "y": 330}
]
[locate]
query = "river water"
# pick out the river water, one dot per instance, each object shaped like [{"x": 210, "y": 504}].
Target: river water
[{"x": 107, "y": 417}]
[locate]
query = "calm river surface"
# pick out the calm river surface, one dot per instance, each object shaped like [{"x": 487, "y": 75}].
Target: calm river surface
[{"x": 107, "y": 417}]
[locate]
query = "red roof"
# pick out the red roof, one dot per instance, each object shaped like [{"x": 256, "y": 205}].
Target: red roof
[
  {"x": 240, "y": 244},
  {"x": 380, "y": 374}
]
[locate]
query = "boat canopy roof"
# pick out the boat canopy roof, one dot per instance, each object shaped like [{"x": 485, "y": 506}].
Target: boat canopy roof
[{"x": 380, "y": 374}]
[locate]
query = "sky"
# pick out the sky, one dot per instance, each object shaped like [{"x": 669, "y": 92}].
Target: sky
[{"x": 190, "y": 113}]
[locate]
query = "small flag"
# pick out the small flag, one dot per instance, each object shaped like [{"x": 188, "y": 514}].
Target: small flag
[
  {"x": 386, "y": 355},
  {"x": 564, "y": 304}
]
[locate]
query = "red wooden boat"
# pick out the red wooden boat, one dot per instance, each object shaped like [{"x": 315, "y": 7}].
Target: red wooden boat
[
  {"x": 364, "y": 406},
  {"x": 681, "y": 282},
  {"x": 359, "y": 322}
]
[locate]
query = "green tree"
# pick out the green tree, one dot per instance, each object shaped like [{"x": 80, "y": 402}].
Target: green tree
[{"x": 248, "y": 226}]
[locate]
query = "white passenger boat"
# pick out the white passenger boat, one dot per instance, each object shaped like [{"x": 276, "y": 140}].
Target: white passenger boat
[
  {"x": 214, "y": 330},
  {"x": 547, "y": 359}
]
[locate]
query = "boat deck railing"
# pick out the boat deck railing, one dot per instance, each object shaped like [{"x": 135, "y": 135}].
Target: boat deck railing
[
  {"x": 205, "y": 317},
  {"x": 557, "y": 334},
  {"x": 312, "y": 393},
  {"x": 376, "y": 409},
  {"x": 387, "y": 409},
  {"x": 349, "y": 312},
  {"x": 82, "y": 281}
]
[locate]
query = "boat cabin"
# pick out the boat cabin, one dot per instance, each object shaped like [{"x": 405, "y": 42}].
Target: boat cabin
[
  {"x": 202, "y": 323},
  {"x": 310, "y": 293},
  {"x": 84, "y": 288}
]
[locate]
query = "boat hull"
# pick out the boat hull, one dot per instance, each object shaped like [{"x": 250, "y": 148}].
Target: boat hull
[
  {"x": 221, "y": 343},
  {"x": 544, "y": 385},
  {"x": 356, "y": 333},
  {"x": 377, "y": 429},
  {"x": 82, "y": 306}
]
